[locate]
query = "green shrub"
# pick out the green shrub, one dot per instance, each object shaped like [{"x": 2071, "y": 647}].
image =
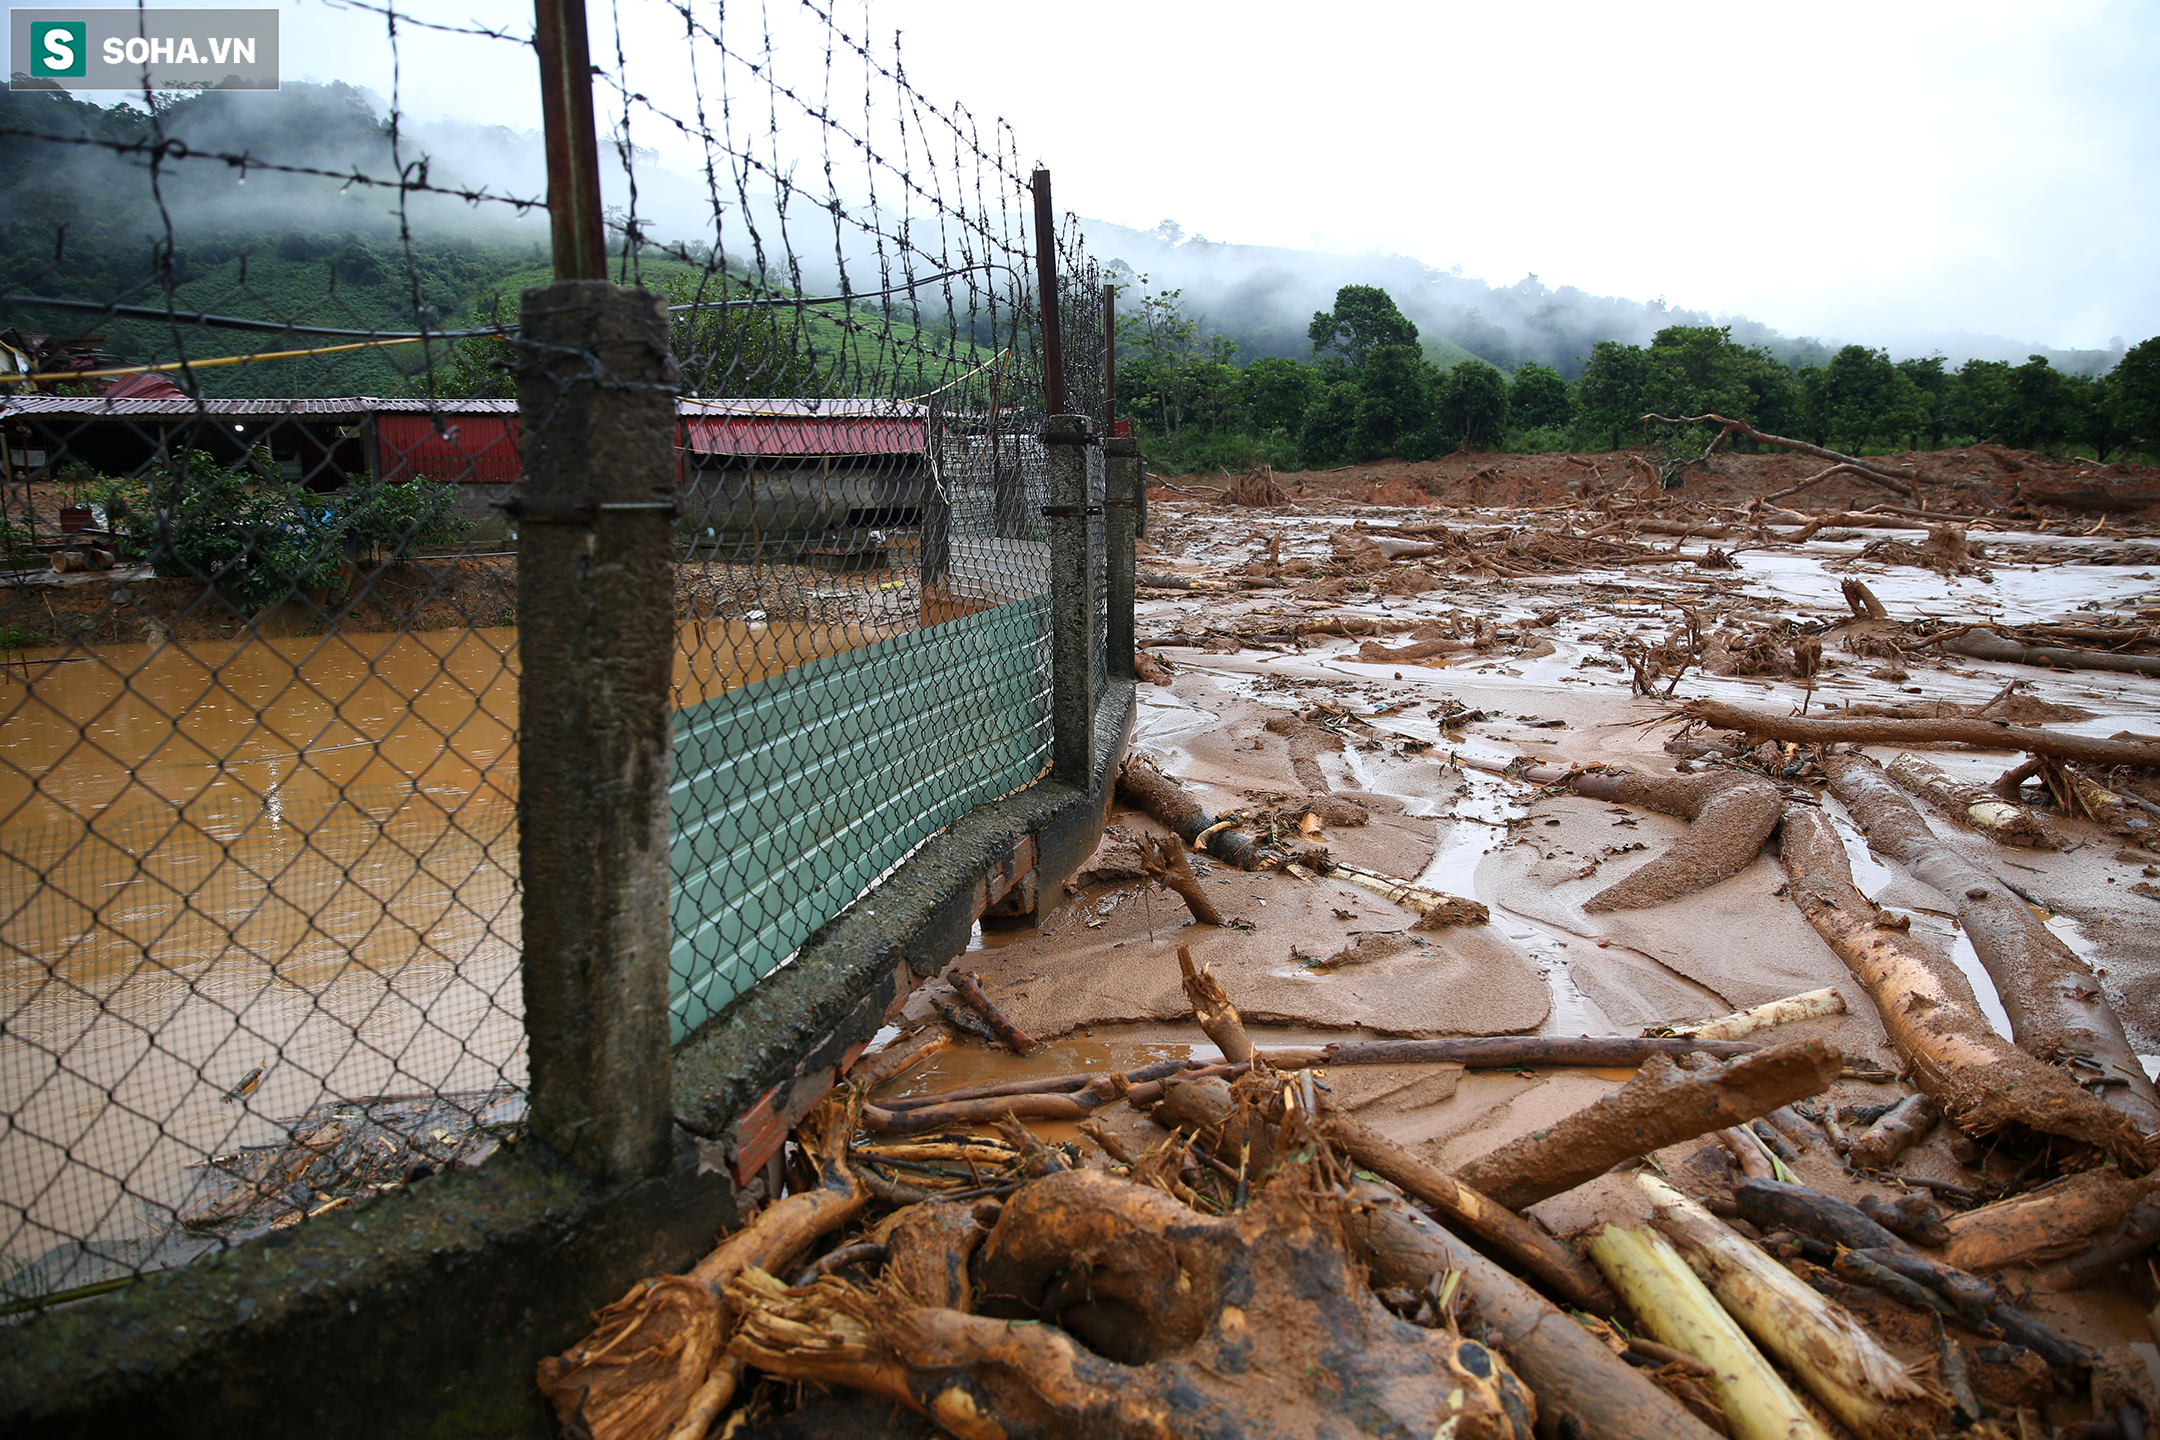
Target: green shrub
[
  {"x": 390, "y": 521},
  {"x": 242, "y": 528}
]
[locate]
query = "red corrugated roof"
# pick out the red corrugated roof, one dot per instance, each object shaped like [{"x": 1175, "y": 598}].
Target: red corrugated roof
[{"x": 802, "y": 435}]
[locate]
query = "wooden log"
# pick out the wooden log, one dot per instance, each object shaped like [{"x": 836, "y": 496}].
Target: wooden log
[
  {"x": 1982, "y": 644},
  {"x": 1810, "y": 1005},
  {"x": 1212, "y": 1008},
  {"x": 1670, "y": 1302},
  {"x": 1905, "y": 1126},
  {"x": 1980, "y": 733},
  {"x": 1538, "y": 1256},
  {"x": 1862, "y": 601},
  {"x": 1144, "y": 787},
  {"x": 1040, "y": 1085},
  {"x": 1867, "y": 1388},
  {"x": 1430, "y": 904},
  {"x": 1976, "y": 807},
  {"x": 1013, "y": 1037},
  {"x": 1984, "y": 1083},
  {"x": 1503, "y": 1052},
  {"x": 1661, "y": 1106},
  {"x": 2137, "y": 1233},
  {"x": 2054, "y": 1001},
  {"x": 1582, "y": 1387},
  {"x": 2044, "y": 1225},
  {"x": 1729, "y": 813},
  {"x": 875, "y": 1069},
  {"x": 1165, "y": 860}
]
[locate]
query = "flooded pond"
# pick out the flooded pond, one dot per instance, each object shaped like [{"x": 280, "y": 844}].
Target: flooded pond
[{"x": 298, "y": 854}]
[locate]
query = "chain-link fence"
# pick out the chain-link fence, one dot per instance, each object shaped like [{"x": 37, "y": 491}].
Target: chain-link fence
[{"x": 260, "y": 909}]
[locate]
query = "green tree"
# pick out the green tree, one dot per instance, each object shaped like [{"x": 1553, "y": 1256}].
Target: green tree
[
  {"x": 1275, "y": 393},
  {"x": 1931, "y": 386},
  {"x": 2038, "y": 412},
  {"x": 1330, "y": 425},
  {"x": 1614, "y": 390},
  {"x": 241, "y": 528},
  {"x": 1979, "y": 399},
  {"x": 1161, "y": 339},
  {"x": 1537, "y": 397},
  {"x": 1364, "y": 316},
  {"x": 2090, "y": 401},
  {"x": 2136, "y": 383},
  {"x": 735, "y": 344},
  {"x": 1861, "y": 395},
  {"x": 1471, "y": 404},
  {"x": 1395, "y": 397}
]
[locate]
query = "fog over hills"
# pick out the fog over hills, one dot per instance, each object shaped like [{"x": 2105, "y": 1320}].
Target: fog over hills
[{"x": 1263, "y": 297}]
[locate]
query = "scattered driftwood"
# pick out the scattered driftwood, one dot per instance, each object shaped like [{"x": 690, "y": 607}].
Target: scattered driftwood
[
  {"x": 1730, "y": 814},
  {"x": 1863, "y": 602},
  {"x": 1661, "y": 1106},
  {"x": 1218, "y": 1018},
  {"x": 2044, "y": 1225},
  {"x": 1144, "y": 787},
  {"x": 1810, "y": 1005},
  {"x": 1165, "y": 860},
  {"x": 944, "y": 1112},
  {"x": 1905, "y": 1126},
  {"x": 969, "y": 988},
  {"x": 1196, "y": 1326},
  {"x": 1976, "y": 807},
  {"x": 654, "y": 1365},
  {"x": 875, "y": 1069},
  {"x": 2054, "y": 1001},
  {"x": 1545, "y": 1261},
  {"x": 2137, "y": 1233},
  {"x": 1502, "y": 1052},
  {"x": 1436, "y": 909},
  {"x": 1981, "y": 734},
  {"x": 1982, "y": 644},
  {"x": 1582, "y": 1387},
  {"x": 1984, "y": 1083},
  {"x": 1887, "y": 475},
  {"x": 1911, "y": 1217},
  {"x": 1680, "y": 1311}
]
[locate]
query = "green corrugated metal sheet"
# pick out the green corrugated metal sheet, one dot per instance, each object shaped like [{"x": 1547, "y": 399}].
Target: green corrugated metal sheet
[{"x": 793, "y": 794}]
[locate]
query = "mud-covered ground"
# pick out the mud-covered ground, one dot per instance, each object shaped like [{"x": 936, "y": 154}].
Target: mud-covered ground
[{"x": 1553, "y": 677}]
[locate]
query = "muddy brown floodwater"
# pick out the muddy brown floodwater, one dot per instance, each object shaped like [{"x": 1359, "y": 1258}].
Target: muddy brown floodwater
[{"x": 298, "y": 853}]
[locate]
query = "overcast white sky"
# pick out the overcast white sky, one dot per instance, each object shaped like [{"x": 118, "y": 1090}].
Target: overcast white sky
[{"x": 1865, "y": 168}]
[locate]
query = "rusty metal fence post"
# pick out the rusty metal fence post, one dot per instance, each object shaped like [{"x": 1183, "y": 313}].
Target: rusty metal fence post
[
  {"x": 1121, "y": 510},
  {"x": 1072, "y": 602},
  {"x": 596, "y": 641}
]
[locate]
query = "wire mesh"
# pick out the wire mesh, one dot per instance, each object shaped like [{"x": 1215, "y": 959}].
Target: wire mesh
[{"x": 259, "y": 935}]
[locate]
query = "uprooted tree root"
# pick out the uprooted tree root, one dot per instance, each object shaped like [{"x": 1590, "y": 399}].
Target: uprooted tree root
[{"x": 1157, "y": 1322}]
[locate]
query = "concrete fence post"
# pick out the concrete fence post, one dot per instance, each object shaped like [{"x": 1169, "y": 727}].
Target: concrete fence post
[
  {"x": 1072, "y": 603},
  {"x": 596, "y": 643},
  {"x": 1121, "y": 515}
]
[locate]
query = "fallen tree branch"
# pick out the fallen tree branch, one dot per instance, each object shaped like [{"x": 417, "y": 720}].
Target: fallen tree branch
[
  {"x": 1218, "y": 1018},
  {"x": 1973, "y": 806},
  {"x": 1811, "y": 1005},
  {"x": 1144, "y": 787},
  {"x": 1984, "y": 1083},
  {"x": 1728, "y": 428},
  {"x": 1843, "y": 467},
  {"x": 2043, "y": 1225},
  {"x": 1981, "y": 734},
  {"x": 1502, "y": 1052},
  {"x": 1729, "y": 813},
  {"x": 1981, "y": 644},
  {"x": 1844, "y": 1366},
  {"x": 970, "y": 989},
  {"x": 2054, "y": 1001},
  {"x": 1164, "y": 858},
  {"x": 1680, "y": 1311},
  {"x": 1582, "y": 1387},
  {"x": 1539, "y": 1256},
  {"x": 1661, "y": 1106}
]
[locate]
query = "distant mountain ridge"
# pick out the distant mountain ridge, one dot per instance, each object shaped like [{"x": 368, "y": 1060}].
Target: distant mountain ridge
[{"x": 1263, "y": 297}]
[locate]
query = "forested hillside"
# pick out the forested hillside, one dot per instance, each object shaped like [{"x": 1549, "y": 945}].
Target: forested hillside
[
  {"x": 1372, "y": 389},
  {"x": 82, "y": 220}
]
